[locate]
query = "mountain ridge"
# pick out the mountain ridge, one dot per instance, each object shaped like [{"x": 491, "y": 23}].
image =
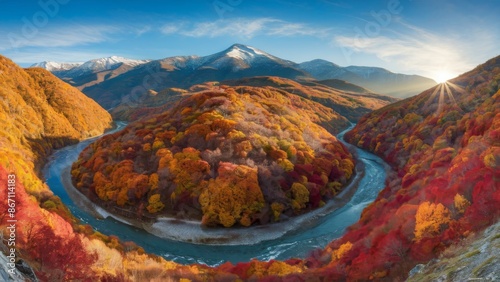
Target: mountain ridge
[
  {"x": 346, "y": 99},
  {"x": 56, "y": 66},
  {"x": 237, "y": 61}
]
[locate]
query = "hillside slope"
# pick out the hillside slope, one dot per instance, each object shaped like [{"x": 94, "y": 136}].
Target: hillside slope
[
  {"x": 225, "y": 157},
  {"x": 40, "y": 113},
  {"x": 352, "y": 103},
  {"x": 474, "y": 258},
  {"x": 445, "y": 146}
]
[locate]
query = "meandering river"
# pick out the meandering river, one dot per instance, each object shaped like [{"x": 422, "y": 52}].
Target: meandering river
[{"x": 298, "y": 243}]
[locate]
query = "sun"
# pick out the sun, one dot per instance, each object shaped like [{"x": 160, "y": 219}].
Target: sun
[{"x": 442, "y": 76}]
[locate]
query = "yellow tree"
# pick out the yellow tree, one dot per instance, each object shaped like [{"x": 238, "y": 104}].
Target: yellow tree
[
  {"x": 234, "y": 196},
  {"x": 429, "y": 219},
  {"x": 461, "y": 203}
]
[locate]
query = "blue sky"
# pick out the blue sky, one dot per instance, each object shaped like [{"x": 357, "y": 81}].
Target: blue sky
[{"x": 434, "y": 38}]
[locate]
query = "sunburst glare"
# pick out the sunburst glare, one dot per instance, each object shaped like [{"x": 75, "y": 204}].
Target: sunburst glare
[
  {"x": 445, "y": 96},
  {"x": 443, "y": 76}
]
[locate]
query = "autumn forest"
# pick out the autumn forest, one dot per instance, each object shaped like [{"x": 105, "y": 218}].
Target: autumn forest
[{"x": 247, "y": 152}]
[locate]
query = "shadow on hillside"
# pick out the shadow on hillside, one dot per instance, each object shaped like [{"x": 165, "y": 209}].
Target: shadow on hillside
[{"x": 42, "y": 148}]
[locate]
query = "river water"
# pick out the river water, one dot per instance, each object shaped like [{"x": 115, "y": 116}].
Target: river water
[{"x": 298, "y": 243}]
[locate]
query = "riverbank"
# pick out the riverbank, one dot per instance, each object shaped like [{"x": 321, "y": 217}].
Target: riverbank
[
  {"x": 191, "y": 231},
  {"x": 298, "y": 242}
]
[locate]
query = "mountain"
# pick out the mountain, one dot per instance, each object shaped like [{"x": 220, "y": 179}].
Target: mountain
[
  {"x": 233, "y": 156},
  {"x": 377, "y": 79},
  {"x": 96, "y": 65},
  {"x": 237, "y": 61},
  {"x": 111, "y": 81},
  {"x": 322, "y": 70},
  {"x": 95, "y": 71},
  {"x": 352, "y": 103},
  {"x": 444, "y": 146},
  {"x": 55, "y": 67}
]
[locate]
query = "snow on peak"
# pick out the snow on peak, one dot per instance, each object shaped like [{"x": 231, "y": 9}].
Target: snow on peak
[
  {"x": 108, "y": 63},
  {"x": 55, "y": 66},
  {"x": 245, "y": 53},
  {"x": 95, "y": 65}
]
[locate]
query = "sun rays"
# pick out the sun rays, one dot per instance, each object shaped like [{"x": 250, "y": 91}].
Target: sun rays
[{"x": 445, "y": 97}]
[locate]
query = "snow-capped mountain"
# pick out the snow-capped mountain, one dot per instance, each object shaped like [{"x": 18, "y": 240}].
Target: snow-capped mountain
[
  {"x": 55, "y": 66},
  {"x": 73, "y": 70},
  {"x": 91, "y": 72},
  {"x": 237, "y": 61},
  {"x": 237, "y": 57},
  {"x": 108, "y": 63},
  {"x": 107, "y": 80},
  {"x": 103, "y": 64},
  {"x": 374, "y": 78},
  {"x": 241, "y": 56}
]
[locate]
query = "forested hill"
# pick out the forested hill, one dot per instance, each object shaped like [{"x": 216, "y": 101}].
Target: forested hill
[{"x": 229, "y": 156}]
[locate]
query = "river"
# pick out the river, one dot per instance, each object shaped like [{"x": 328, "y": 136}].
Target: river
[{"x": 298, "y": 243}]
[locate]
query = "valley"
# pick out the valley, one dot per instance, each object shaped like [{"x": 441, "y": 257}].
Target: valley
[
  {"x": 243, "y": 166},
  {"x": 293, "y": 238}
]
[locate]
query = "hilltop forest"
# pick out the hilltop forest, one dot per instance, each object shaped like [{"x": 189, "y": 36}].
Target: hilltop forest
[{"x": 231, "y": 156}]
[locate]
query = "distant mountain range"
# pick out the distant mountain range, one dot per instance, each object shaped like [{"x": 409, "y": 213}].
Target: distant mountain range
[
  {"x": 56, "y": 67},
  {"x": 110, "y": 80},
  {"x": 376, "y": 79}
]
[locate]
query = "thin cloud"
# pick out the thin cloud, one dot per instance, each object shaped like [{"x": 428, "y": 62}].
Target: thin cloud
[
  {"x": 415, "y": 49},
  {"x": 28, "y": 57},
  {"x": 141, "y": 30},
  {"x": 57, "y": 37},
  {"x": 243, "y": 27},
  {"x": 171, "y": 28},
  {"x": 297, "y": 29}
]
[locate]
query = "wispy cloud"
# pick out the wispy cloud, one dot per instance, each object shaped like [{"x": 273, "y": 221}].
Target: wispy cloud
[
  {"x": 141, "y": 29},
  {"x": 171, "y": 28},
  {"x": 62, "y": 36},
  {"x": 417, "y": 50},
  {"x": 243, "y": 27}
]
